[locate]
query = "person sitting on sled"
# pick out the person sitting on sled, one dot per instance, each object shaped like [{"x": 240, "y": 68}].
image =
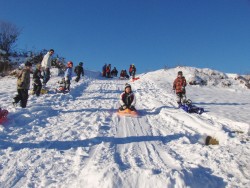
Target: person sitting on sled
[
  {"x": 179, "y": 87},
  {"x": 127, "y": 99}
]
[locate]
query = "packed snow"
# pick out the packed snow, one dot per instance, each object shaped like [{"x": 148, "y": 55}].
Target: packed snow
[{"x": 78, "y": 140}]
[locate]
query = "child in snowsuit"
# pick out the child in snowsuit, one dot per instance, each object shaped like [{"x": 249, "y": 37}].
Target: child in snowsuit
[
  {"x": 179, "y": 87},
  {"x": 127, "y": 99},
  {"x": 79, "y": 71},
  {"x": 68, "y": 75},
  {"x": 23, "y": 85},
  {"x": 37, "y": 84}
]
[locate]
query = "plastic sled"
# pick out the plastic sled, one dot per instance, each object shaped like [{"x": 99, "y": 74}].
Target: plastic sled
[
  {"x": 61, "y": 90},
  {"x": 44, "y": 91},
  {"x": 127, "y": 112},
  {"x": 192, "y": 109},
  {"x": 3, "y": 114},
  {"x": 134, "y": 79}
]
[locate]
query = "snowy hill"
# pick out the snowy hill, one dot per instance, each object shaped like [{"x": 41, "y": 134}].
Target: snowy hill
[{"x": 77, "y": 139}]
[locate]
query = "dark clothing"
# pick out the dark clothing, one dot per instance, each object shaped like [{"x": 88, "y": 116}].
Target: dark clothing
[
  {"x": 127, "y": 100},
  {"x": 104, "y": 70},
  {"x": 37, "y": 84},
  {"x": 114, "y": 72},
  {"x": 79, "y": 71},
  {"x": 132, "y": 71},
  {"x": 46, "y": 75},
  {"x": 23, "y": 85},
  {"x": 67, "y": 85},
  {"x": 22, "y": 97}
]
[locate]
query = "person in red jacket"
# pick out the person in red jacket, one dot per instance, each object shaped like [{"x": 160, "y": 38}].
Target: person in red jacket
[{"x": 179, "y": 87}]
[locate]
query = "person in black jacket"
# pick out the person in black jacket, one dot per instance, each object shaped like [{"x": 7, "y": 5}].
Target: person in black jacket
[
  {"x": 37, "y": 84},
  {"x": 114, "y": 72},
  {"x": 79, "y": 71}
]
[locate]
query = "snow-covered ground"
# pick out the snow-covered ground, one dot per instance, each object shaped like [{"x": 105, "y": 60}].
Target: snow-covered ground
[{"x": 78, "y": 140}]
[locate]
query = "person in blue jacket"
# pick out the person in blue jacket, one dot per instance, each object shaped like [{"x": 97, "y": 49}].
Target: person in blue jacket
[{"x": 68, "y": 75}]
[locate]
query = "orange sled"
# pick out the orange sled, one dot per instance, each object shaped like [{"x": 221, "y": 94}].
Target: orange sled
[{"x": 127, "y": 112}]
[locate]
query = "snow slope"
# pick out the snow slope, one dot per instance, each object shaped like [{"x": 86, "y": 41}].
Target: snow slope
[{"x": 78, "y": 140}]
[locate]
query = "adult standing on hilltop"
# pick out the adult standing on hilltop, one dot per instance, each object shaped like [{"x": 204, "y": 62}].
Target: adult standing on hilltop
[{"x": 46, "y": 65}]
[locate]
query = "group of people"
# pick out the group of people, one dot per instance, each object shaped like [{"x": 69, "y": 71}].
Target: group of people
[
  {"x": 108, "y": 73},
  {"x": 42, "y": 71},
  {"x": 128, "y": 100},
  {"x": 41, "y": 76}
]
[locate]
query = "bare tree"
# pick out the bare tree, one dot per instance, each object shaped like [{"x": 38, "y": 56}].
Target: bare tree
[{"x": 9, "y": 34}]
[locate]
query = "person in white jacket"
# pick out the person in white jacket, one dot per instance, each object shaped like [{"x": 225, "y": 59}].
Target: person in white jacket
[{"x": 46, "y": 65}]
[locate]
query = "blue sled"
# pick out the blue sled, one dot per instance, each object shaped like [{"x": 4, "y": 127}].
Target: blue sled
[{"x": 189, "y": 108}]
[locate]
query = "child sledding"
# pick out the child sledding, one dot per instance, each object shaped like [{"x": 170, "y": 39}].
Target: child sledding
[{"x": 127, "y": 102}]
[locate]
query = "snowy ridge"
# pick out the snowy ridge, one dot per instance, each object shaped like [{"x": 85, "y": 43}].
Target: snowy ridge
[{"x": 77, "y": 139}]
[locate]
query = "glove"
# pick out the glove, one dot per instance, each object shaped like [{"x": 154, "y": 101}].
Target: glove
[
  {"x": 21, "y": 85},
  {"x": 66, "y": 78},
  {"x": 132, "y": 107}
]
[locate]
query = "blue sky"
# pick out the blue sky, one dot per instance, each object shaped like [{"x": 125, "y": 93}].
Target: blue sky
[{"x": 151, "y": 34}]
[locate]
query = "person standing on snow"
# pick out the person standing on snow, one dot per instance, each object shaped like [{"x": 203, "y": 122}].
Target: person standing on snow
[
  {"x": 23, "y": 86},
  {"x": 108, "y": 71},
  {"x": 68, "y": 75},
  {"x": 179, "y": 87},
  {"x": 132, "y": 71},
  {"x": 79, "y": 71},
  {"x": 104, "y": 70},
  {"x": 127, "y": 99},
  {"x": 46, "y": 65},
  {"x": 37, "y": 84}
]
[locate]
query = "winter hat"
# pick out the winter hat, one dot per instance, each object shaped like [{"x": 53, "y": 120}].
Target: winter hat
[
  {"x": 179, "y": 72},
  {"x": 127, "y": 85},
  {"x": 81, "y": 63},
  {"x": 70, "y": 64},
  {"x": 28, "y": 64},
  {"x": 38, "y": 66}
]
